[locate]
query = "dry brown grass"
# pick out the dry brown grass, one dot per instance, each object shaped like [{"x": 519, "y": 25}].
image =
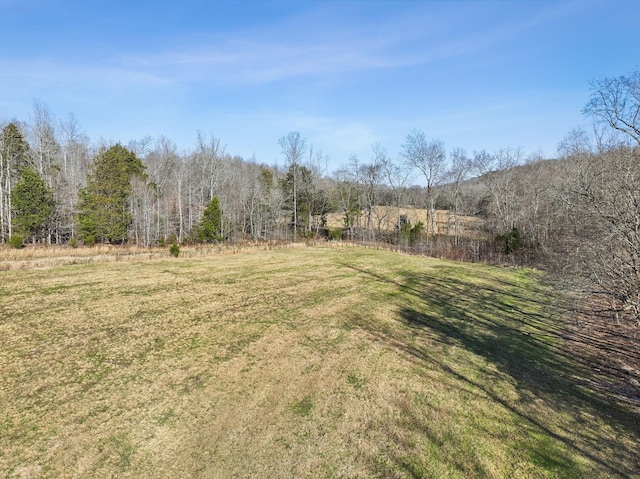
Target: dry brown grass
[
  {"x": 48, "y": 256},
  {"x": 297, "y": 362}
]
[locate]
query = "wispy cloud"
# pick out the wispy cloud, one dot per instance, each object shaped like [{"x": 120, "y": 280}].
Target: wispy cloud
[
  {"x": 308, "y": 45},
  {"x": 54, "y": 73},
  {"x": 311, "y": 46},
  {"x": 267, "y": 60}
]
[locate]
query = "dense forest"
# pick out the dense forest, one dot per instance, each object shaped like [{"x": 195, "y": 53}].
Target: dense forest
[{"x": 577, "y": 216}]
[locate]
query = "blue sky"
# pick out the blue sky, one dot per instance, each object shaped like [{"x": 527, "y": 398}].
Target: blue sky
[{"x": 345, "y": 74}]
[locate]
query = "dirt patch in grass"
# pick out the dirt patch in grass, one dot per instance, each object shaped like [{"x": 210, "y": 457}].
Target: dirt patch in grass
[
  {"x": 611, "y": 351},
  {"x": 301, "y": 362}
]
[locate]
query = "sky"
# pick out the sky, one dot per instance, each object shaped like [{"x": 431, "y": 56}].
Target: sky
[{"x": 345, "y": 74}]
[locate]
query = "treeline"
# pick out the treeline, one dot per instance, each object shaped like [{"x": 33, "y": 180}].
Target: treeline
[
  {"x": 577, "y": 216},
  {"x": 58, "y": 187}
]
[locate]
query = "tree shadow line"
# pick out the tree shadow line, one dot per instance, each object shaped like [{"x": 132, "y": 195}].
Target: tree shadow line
[{"x": 512, "y": 329}]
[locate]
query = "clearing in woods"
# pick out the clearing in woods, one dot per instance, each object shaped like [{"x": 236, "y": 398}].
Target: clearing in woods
[{"x": 298, "y": 362}]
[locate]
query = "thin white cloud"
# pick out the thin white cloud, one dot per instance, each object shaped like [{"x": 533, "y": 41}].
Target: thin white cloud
[
  {"x": 300, "y": 46},
  {"x": 49, "y": 72},
  {"x": 258, "y": 61},
  {"x": 305, "y": 46}
]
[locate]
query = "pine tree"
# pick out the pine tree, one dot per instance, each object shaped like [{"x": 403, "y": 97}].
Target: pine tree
[
  {"x": 32, "y": 205},
  {"x": 14, "y": 158},
  {"x": 210, "y": 228},
  {"x": 15, "y": 150},
  {"x": 104, "y": 213}
]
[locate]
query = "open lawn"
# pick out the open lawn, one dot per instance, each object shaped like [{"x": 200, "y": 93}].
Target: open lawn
[{"x": 297, "y": 362}]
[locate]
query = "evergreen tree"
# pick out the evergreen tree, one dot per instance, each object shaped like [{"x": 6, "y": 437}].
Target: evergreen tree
[
  {"x": 210, "y": 228},
  {"x": 14, "y": 158},
  {"x": 104, "y": 213},
  {"x": 15, "y": 149},
  {"x": 32, "y": 205}
]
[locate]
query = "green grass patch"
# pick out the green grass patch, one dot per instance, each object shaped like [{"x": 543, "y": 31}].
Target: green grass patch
[{"x": 303, "y": 407}]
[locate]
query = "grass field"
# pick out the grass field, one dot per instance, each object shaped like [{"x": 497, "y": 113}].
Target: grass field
[
  {"x": 298, "y": 362},
  {"x": 385, "y": 218}
]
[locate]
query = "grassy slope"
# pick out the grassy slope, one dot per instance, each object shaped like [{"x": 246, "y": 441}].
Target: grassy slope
[{"x": 308, "y": 362}]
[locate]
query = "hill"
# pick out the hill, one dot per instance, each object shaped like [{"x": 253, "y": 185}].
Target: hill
[{"x": 298, "y": 362}]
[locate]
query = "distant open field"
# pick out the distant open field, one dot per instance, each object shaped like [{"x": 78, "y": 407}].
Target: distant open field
[
  {"x": 385, "y": 218},
  {"x": 296, "y": 362}
]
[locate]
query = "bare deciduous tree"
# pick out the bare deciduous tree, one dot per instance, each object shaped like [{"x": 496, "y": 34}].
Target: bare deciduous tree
[
  {"x": 616, "y": 101},
  {"x": 600, "y": 250},
  {"x": 599, "y": 247},
  {"x": 497, "y": 172},
  {"x": 396, "y": 174},
  {"x": 428, "y": 157},
  {"x": 45, "y": 147},
  {"x": 293, "y": 147},
  {"x": 459, "y": 171}
]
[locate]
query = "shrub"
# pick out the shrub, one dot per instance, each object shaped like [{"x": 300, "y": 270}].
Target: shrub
[
  {"x": 15, "y": 241},
  {"x": 174, "y": 249},
  {"x": 162, "y": 242},
  {"x": 411, "y": 234},
  {"x": 511, "y": 241},
  {"x": 89, "y": 240},
  {"x": 335, "y": 234},
  {"x": 73, "y": 243}
]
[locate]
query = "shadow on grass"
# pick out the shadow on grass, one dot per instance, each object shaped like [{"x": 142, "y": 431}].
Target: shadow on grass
[{"x": 508, "y": 324}]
